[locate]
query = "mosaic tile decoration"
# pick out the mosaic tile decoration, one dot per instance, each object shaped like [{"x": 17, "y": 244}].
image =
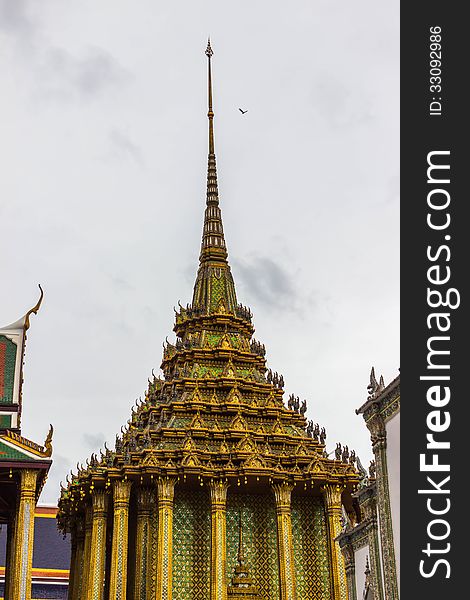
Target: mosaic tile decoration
[
  {"x": 153, "y": 553},
  {"x": 309, "y": 533},
  {"x": 143, "y": 571},
  {"x": 259, "y": 540},
  {"x": 191, "y": 545},
  {"x": 7, "y": 369},
  {"x": 217, "y": 291}
]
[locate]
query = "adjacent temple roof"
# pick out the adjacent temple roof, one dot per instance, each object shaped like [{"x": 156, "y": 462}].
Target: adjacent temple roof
[
  {"x": 217, "y": 411},
  {"x": 16, "y": 451}
]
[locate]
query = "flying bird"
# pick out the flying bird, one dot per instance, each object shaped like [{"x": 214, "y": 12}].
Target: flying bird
[{"x": 242, "y": 111}]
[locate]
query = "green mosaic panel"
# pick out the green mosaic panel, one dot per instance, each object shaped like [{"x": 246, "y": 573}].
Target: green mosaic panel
[
  {"x": 7, "y": 453},
  {"x": 259, "y": 540},
  {"x": 309, "y": 532},
  {"x": 153, "y": 533},
  {"x": 213, "y": 339},
  {"x": 217, "y": 291},
  {"x": 191, "y": 545},
  {"x": 180, "y": 423},
  {"x": 5, "y": 421},
  {"x": 7, "y": 369},
  {"x": 243, "y": 373}
]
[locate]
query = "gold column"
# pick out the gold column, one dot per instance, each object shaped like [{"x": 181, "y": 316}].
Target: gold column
[
  {"x": 84, "y": 571},
  {"x": 118, "y": 580},
  {"x": 218, "y": 491},
  {"x": 332, "y": 496},
  {"x": 24, "y": 537},
  {"x": 97, "y": 553},
  {"x": 145, "y": 504},
  {"x": 164, "y": 575},
  {"x": 76, "y": 565},
  {"x": 153, "y": 553},
  {"x": 282, "y": 493}
]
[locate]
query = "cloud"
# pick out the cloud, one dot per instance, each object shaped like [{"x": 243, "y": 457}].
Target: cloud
[
  {"x": 268, "y": 282},
  {"x": 93, "y": 441},
  {"x": 64, "y": 76},
  {"x": 340, "y": 105},
  {"x": 123, "y": 146},
  {"x": 15, "y": 18},
  {"x": 121, "y": 284}
]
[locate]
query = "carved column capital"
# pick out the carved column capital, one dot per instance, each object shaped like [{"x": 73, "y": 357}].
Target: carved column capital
[
  {"x": 99, "y": 499},
  {"x": 121, "y": 493},
  {"x": 28, "y": 482},
  {"x": 332, "y": 495},
  {"x": 218, "y": 490},
  {"x": 282, "y": 493},
  {"x": 145, "y": 499},
  {"x": 166, "y": 490}
]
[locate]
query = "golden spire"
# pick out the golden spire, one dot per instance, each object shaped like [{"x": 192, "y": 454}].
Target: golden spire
[
  {"x": 210, "y": 296},
  {"x": 213, "y": 242},
  {"x": 210, "y": 112}
]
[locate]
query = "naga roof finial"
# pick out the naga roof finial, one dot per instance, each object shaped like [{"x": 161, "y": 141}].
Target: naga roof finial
[
  {"x": 34, "y": 309},
  {"x": 48, "y": 442}
]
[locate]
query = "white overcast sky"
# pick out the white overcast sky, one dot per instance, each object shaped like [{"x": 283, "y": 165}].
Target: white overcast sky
[{"x": 103, "y": 166}]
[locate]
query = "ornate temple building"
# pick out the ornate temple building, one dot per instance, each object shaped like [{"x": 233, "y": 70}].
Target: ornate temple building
[
  {"x": 371, "y": 545},
  {"x": 23, "y": 465},
  {"x": 216, "y": 488}
]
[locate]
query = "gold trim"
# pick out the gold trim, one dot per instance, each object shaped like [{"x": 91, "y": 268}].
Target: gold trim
[{"x": 96, "y": 561}]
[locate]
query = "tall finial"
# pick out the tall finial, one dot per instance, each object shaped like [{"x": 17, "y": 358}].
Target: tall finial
[
  {"x": 214, "y": 289},
  {"x": 213, "y": 242},
  {"x": 210, "y": 112}
]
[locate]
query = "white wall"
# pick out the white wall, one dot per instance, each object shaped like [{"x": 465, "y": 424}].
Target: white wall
[
  {"x": 393, "y": 464},
  {"x": 360, "y": 566}
]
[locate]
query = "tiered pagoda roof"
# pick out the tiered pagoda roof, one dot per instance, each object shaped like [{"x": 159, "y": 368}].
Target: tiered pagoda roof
[{"x": 217, "y": 411}]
